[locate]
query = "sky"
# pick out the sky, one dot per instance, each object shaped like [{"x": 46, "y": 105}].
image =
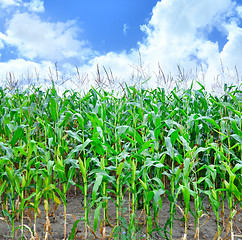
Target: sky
[{"x": 135, "y": 39}]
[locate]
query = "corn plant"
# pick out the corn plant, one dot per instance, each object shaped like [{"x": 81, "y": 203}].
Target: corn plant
[{"x": 139, "y": 146}]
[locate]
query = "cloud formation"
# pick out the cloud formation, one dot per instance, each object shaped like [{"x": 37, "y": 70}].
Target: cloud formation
[
  {"x": 23, "y": 69},
  {"x": 7, "y": 3},
  {"x": 125, "y": 29},
  {"x": 43, "y": 40},
  {"x": 35, "y": 6},
  {"x": 177, "y": 33}
]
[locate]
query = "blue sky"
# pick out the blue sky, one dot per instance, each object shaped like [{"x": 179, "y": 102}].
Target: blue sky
[
  {"x": 108, "y": 25},
  {"x": 197, "y": 35}
]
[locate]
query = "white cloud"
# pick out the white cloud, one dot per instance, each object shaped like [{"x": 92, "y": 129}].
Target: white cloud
[
  {"x": 125, "y": 29},
  {"x": 177, "y": 34},
  {"x": 35, "y": 6},
  {"x": 120, "y": 65},
  {"x": 7, "y": 3},
  {"x": 22, "y": 69},
  {"x": 1, "y": 42},
  {"x": 35, "y": 38},
  {"x": 231, "y": 54},
  {"x": 176, "y": 30},
  {"x": 239, "y": 10},
  {"x": 32, "y": 6},
  {"x": 25, "y": 73}
]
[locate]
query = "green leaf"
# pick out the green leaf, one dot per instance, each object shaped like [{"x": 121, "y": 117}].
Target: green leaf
[
  {"x": 134, "y": 133},
  {"x": 96, "y": 216},
  {"x": 95, "y": 120},
  {"x": 53, "y": 109},
  {"x": 61, "y": 171},
  {"x": 200, "y": 149},
  {"x": 237, "y": 138},
  {"x": 82, "y": 168},
  {"x": 150, "y": 196},
  {"x": 9, "y": 173},
  {"x": 186, "y": 168},
  {"x": 71, "y": 172},
  {"x": 121, "y": 130},
  {"x": 62, "y": 195},
  {"x": 72, "y": 162},
  {"x": 169, "y": 146},
  {"x": 74, "y": 135},
  {"x": 201, "y": 179},
  {"x": 17, "y": 184},
  {"x": 80, "y": 120},
  {"x": 237, "y": 167},
  {"x": 186, "y": 195},
  {"x": 67, "y": 116},
  {"x": 3, "y": 161},
  {"x": 159, "y": 165},
  {"x": 73, "y": 230},
  {"x": 209, "y": 120},
  {"x": 98, "y": 181},
  {"x": 49, "y": 167},
  {"x": 80, "y": 148},
  {"x": 24, "y": 201},
  {"x": 18, "y": 135},
  {"x": 2, "y": 187},
  {"x": 119, "y": 169},
  {"x": 144, "y": 185},
  {"x": 157, "y": 196},
  {"x": 157, "y": 130},
  {"x": 174, "y": 135},
  {"x": 32, "y": 147}
]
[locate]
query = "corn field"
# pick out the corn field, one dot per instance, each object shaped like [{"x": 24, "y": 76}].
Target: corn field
[{"x": 141, "y": 146}]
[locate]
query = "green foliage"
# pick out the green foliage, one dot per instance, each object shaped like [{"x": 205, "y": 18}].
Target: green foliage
[{"x": 143, "y": 144}]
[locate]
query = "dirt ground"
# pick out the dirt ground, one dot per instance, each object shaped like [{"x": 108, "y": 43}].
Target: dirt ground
[{"x": 74, "y": 208}]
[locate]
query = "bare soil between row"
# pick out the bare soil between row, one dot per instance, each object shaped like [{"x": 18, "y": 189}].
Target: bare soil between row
[{"x": 75, "y": 211}]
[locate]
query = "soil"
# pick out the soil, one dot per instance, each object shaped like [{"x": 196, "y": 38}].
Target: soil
[{"x": 75, "y": 211}]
